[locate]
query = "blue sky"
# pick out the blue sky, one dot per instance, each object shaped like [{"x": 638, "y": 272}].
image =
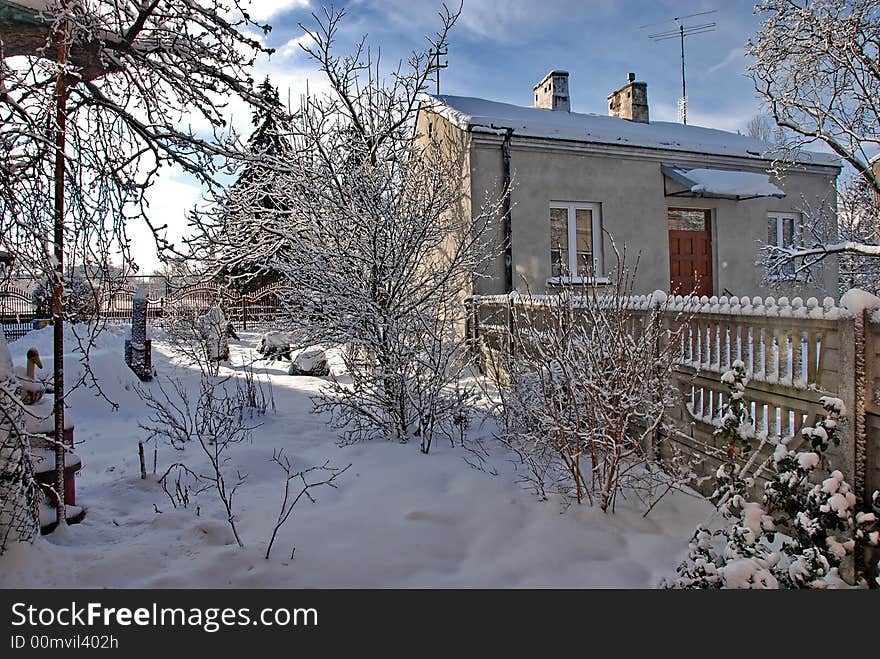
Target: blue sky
[{"x": 501, "y": 48}]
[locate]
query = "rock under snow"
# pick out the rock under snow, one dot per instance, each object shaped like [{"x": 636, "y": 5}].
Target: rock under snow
[
  {"x": 275, "y": 345},
  {"x": 312, "y": 361}
]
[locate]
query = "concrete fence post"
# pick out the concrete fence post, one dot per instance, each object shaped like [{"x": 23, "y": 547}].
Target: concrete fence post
[{"x": 138, "y": 354}]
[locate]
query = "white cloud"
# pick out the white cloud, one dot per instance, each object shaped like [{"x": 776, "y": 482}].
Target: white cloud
[
  {"x": 169, "y": 201},
  {"x": 735, "y": 55},
  {"x": 262, "y": 10},
  {"x": 294, "y": 46},
  {"x": 503, "y": 21}
]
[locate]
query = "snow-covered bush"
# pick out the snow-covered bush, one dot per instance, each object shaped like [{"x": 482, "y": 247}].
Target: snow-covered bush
[
  {"x": 215, "y": 418},
  {"x": 736, "y": 426},
  {"x": 257, "y": 393},
  {"x": 802, "y": 527},
  {"x": 79, "y": 300},
  {"x": 376, "y": 239},
  {"x": 276, "y": 345},
  {"x": 199, "y": 339},
  {"x": 585, "y": 388}
]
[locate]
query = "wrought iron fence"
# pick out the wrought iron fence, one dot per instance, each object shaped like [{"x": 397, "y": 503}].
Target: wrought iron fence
[{"x": 259, "y": 308}]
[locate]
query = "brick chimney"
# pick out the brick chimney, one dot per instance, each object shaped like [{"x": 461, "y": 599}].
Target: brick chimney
[
  {"x": 630, "y": 101},
  {"x": 552, "y": 92}
]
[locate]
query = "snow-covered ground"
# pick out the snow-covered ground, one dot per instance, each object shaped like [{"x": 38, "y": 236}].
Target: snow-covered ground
[{"x": 397, "y": 519}]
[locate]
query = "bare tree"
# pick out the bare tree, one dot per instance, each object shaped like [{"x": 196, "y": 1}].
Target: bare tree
[
  {"x": 858, "y": 223},
  {"x": 305, "y": 477},
  {"x": 846, "y": 229},
  {"x": 586, "y": 384},
  {"x": 761, "y": 128},
  {"x": 96, "y": 96},
  {"x": 815, "y": 66},
  {"x": 369, "y": 227},
  {"x": 216, "y": 419}
]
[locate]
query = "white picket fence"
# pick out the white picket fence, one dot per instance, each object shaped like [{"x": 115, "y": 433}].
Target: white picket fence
[{"x": 795, "y": 351}]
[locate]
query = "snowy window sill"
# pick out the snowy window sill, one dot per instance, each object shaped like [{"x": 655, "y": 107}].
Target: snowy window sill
[
  {"x": 794, "y": 279},
  {"x": 578, "y": 281}
]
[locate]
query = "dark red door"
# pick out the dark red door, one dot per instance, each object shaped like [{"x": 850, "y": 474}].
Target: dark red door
[{"x": 690, "y": 262}]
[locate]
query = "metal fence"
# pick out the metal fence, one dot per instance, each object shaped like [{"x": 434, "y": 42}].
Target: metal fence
[{"x": 261, "y": 307}]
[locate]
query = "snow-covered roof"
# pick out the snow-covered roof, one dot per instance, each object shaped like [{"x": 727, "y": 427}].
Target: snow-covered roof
[
  {"x": 480, "y": 115},
  {"x": 38, "y": 5},
  {"x": 723, "y": 183},
  {"x": 27, "y": 6}
]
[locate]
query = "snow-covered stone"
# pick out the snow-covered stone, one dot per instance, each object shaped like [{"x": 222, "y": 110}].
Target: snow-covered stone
[
  {"x": 276, "y": 344},
  {"x": 312, "y": 361}
]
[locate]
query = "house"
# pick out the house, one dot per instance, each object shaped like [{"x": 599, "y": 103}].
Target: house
[{"x": 696, "y": 204}]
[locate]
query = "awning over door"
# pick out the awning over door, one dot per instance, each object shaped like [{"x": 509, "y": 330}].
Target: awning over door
[{"x": 718, "y": 184}]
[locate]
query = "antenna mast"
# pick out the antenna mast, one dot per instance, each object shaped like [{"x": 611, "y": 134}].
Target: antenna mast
[{"x": 680, "y": 32}]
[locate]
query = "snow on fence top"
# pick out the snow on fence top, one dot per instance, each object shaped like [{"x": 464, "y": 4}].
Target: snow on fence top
[
  {"x": 480, "y": 115},
  {"x": 782, "y": 307}
]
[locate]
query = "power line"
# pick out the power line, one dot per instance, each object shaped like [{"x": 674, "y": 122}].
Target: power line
[{"x": 681, "y": 31}]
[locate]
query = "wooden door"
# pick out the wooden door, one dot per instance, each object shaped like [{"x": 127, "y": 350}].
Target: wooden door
[{"x": 690, "y": 262}]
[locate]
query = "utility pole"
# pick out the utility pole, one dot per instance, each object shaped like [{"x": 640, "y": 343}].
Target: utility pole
[
  {"x": 435, "y": 54},
  {"x": 680, "y": 33}
]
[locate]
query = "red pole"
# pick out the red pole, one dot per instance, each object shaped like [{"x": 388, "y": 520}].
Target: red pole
[{"x": 57, "y": 299}]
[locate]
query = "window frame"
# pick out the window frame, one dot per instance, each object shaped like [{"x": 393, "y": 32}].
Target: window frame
[
  {"x": 796, "y": 230},
  {"x": 571, "y": 208},
  {"x": 707, "y": 217}
]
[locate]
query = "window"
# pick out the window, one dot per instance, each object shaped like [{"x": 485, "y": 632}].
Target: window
[
  {"x": 688, "y": 219},
  {"x": 783, "y": 230},
  {"x": 575, "y": 240}
]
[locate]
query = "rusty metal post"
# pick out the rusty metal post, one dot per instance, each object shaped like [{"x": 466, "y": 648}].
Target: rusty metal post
[{"x": 58, "y": 293}]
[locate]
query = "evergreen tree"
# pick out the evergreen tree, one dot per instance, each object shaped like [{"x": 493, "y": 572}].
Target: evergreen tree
[
  {"x": 800, "y": 528},
  {"x": 253, "y": 200}
]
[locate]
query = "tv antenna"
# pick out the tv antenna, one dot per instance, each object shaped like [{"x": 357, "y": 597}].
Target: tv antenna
[{"x": 680, "y": 32}]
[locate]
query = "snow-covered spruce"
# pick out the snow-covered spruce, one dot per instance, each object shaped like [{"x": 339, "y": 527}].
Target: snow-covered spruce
[
  {"x": 794, "y": 536},
  {"x": 736, "y": 426}
]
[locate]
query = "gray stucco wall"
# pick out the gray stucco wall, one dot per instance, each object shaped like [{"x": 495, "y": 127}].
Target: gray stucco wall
[{"x": 629, "y": 186}]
